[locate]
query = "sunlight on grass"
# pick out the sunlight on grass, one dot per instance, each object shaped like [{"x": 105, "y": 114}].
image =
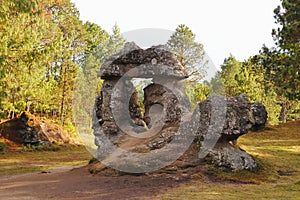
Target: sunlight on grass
[
  {"x": 234, "y": 191},
  {"x": 19, "y": 162},
  {"x": 277, "y": 151},
  {"x": 8, "y": 161},
  {"x": 291, "y": 149}
]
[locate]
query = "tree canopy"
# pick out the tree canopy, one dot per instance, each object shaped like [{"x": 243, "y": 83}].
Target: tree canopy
[
  {"x": 44, "y": 46},
  {"x": 190, "y": 53},
  {"x": 282, "y": 63},
  {"x": 49, "y": 57}
]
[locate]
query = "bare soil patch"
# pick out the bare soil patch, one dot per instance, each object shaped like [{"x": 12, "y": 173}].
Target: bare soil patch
[{"x": 80, "y": 184}]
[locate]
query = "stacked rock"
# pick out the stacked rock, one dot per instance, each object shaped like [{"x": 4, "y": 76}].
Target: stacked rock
[{"x": 214, "y": 126}]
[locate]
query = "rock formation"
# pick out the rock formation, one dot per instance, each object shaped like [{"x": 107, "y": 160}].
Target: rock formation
[
  {"x": 212, "y": 128},
  {"x": 26, "y": 129},
  {"x": 114, "y": 71},
  {"x": 157, "y": 96},
  {"x": 240, "y": 117}
]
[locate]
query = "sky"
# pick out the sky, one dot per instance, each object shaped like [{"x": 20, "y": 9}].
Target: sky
[{"x": 224, "y": 27}]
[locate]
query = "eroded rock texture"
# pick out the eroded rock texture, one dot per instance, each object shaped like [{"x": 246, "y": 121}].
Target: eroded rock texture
[
  {"x": 166, "y": 104},
  {"x": 237, "y": 118},
  {"x": 28, "y": 130},
  {"x": 119, "y": 66},
  {"x": 215, "y": 125}
]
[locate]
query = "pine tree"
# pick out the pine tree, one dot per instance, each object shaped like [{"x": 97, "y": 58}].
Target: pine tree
[
  {"x": 42, "y": 45},
  {"x": 248, "y": 78},
  {"x": 230, "y": 70},
  {"x": 88, "y": 84},
  {"x": 282, "y": 63},
  {"x": 216, "y": 84},
  {"x": 22, "y": 51},
  {"x": 190, "y": 53}
]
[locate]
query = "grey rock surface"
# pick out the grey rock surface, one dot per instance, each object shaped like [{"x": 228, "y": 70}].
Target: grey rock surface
[
  {"x": 229, "y": 157},
  {"x": 240, "y": 117},
  {"x": 28, "y": 130},
  {"x": 132, "y": 56},
  {"x": 218, "y": 121}
]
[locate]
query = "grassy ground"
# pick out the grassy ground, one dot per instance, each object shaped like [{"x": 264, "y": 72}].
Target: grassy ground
[
  {"x": 25, "y": 160},
  {"x": 277, "y": 150}
]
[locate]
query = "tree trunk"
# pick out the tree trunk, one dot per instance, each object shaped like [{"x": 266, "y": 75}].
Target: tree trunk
[
  {"x": 28, "y": 107},
  {"x": 63, "y": 97},
  {"x": 283, "y": 113}
]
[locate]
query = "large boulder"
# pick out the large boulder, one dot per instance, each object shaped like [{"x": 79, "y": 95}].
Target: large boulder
[
  {"x": 239, "y": 117},
  {"x": 132, "y": 56},
  {"x": 26, "y": 129},
  {"x": 212, "y": 129},
  {"x": 147, "y": 62}
]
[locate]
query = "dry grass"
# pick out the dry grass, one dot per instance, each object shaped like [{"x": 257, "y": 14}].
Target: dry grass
[
  {"x": 18, "y": 161},
  {"x": 277, "y": 150}
]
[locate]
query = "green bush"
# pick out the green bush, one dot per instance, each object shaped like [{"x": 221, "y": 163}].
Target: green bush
[
  {"x": 33, "y": 148},
  {"x": 293, "y": 111},
  {"x": 70, "y": 129},
  {"x": 273, "y": 107},
  {"x": 2, "y": 147},
  {"x": 93, "y": 160}
]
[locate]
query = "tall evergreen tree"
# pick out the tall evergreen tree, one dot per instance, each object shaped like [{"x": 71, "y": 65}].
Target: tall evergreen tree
[
  {"x": 22, "y": 51},
  {"x": 88, "y": 84},
  {"x": 248, "y": 78},
  {"x": 42, "y": 44},
  {"x": 190, "y": 53},
  {"x": 282, "y": 63},
  {"x": 216, "y": 84},
  {"x": 230, "y": 70}
]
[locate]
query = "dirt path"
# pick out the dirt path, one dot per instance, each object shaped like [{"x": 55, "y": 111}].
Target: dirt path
[{"x": 78, "y": 183}]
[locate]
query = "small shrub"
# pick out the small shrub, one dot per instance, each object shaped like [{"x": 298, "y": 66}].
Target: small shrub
[
  {"x": 47, "y": 147},
  {"x": 71, "y": 130},
  {"x": 2, "y": 147},
  {"x": 93, "y": 160}
]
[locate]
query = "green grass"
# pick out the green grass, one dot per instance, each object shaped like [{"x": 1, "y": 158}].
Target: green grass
[
  {"x": 2, "y": 147},
  {"x": 47, "y": 147},
  {"x": 27, "y": 160},
  {"x": 277, "y": 151},
  {"x": 233, "y": 191}
]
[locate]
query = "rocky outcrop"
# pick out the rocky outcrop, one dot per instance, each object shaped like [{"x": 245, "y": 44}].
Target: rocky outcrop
[
  {"x": 239, "y": 118},
  {"x": 120, "y": 127},
  {"x": 26, "y": 129},
  {"x": 117, "y": 70},
  {"x": 164, "y": 105},
  {"x": 132, "y": 56}
]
